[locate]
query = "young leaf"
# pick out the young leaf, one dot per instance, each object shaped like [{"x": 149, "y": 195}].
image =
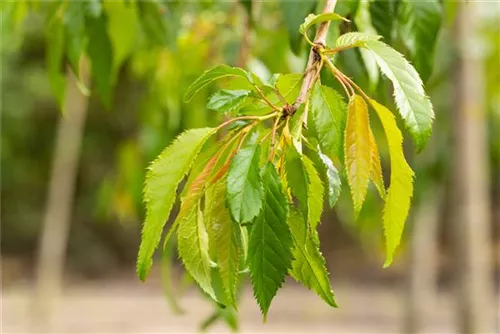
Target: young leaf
[
  {"x": 100, "y": 53},
  {"x": 419, "y": 23},
  {"x": 397, "y": 202},
  {"x": 269, "y": 251},
  {"x": 228, "y": 101},
  {"x": 313, "y": 19},
  {"x": 376, "y": 167},
  {"x": 354, "y": 39},
  {"x": 309, "y": 266},
  {"x": 217, "y": 72},
  {"x": 333, "y": 178},
  {"x": 244, "y": 184},
  {"x": 328, "y": 115},
  {"x": 413, "y": 105},
  {"x": 357, "y": 150},
  {"x": 226, "y": 239},
  {"x": 315, "y": 191},
  {"x": 162, "y": 179}
]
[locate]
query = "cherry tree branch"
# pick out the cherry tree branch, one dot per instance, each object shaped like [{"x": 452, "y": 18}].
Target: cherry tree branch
[{"x": 312, "y": 68}]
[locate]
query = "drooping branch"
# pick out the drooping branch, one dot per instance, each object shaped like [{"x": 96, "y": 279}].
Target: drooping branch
[{"x": 312, "y": 67}]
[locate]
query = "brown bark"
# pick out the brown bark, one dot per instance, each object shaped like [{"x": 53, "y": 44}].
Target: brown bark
[
  {"x": 470, "y": 181},
  {"x": 57, "y": 219},
  {"x": 422, "y": 279}
]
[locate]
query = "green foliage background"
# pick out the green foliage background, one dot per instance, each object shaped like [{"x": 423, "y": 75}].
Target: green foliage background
[{"x": 152, "y": 57}]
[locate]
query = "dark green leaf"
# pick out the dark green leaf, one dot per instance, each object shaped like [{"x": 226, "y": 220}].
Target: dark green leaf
[
  {"x": 244, "y": 184},
  {"x": 228, "y": 101},
  {"x": 100, "y": 52},
  {"x": 269, "y": 252},
  {"x": 419, "y": 24},
  {"x": 309, "y": 265},
  {"x": 76, "y": 38},
  {"x": 217, "y": 72},
  {"x": 292, "y": 14},
  {"x": 382, "y": 13},
  {"x": 152, "y": 21},
  {"x": 55, "y": 57}
]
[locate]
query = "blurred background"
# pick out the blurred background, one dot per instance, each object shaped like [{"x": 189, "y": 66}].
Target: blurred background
[{"x": 71, "y": 182}]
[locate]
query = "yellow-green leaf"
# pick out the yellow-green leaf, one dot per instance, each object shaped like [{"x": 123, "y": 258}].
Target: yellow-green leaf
[
  {"x": 357, "y": 153},
  {"x": 315, "y": 192},
  {"x": 376, "y": 167},
  {"x": 397, "y": 202}
]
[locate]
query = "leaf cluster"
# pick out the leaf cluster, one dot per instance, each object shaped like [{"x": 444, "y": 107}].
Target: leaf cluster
[{"x": 255, "y": 186}]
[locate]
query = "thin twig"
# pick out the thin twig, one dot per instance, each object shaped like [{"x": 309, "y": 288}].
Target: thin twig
[{"x": 311, "y": 68}]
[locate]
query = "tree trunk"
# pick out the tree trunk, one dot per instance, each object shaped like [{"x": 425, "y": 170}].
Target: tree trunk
[
  {"x": 61, "y": 191},
  {"x": 422, "y": 278},
  {"x": 470, "y": 168}
]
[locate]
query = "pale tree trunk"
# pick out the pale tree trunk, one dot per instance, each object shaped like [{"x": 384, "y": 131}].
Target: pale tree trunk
[
  {"x": 60, "y": 197},
  {"x": 471, "y": 191},
  {"x": 422, "y": 278}
]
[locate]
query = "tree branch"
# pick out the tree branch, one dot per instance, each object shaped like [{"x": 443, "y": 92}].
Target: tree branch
[{"x": 312, "y": 69}]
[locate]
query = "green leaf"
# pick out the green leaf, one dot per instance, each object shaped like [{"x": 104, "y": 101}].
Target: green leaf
[
  {"x": 398, "y": 199},
  {"x": 244, "y": 184},
  {"x": 122, "y": 30},
  {"x": 309, "y": 265},
  {"x": 305, "y": 184},
  {"x": 228, "y": 101},
  {"x": 315, "y": 191},
  {"x": 355, "y": 39},
  {"x": 382, "y": 14},
  {"x": 226, "y": 239},
  {"x": 313, "y": 19},
  {"x": 76, "y": 38},
  {"x": 296, "y": 176},
  {"x": 215, "y": 73},
  {"x": 162, "y": 179},
  {"x": 55, "y": 57},
  {"x": 289, "y": 86},
  {"x": 152, "y": 21},
  {"x": 193, "y": 247},
  {"x": 292, "y": 14},
  {"x": 333, "y": 178},
  {"x": 269, "y": 251},
  {"x": 193, "y": 237},
  {"x": 419, "y": 24},
  {"x": 100, "y": 52},
  {"x": 357, "y": 150},
  {"x": 328, "y": 115},
  {"x": 412, "y": 102}
]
